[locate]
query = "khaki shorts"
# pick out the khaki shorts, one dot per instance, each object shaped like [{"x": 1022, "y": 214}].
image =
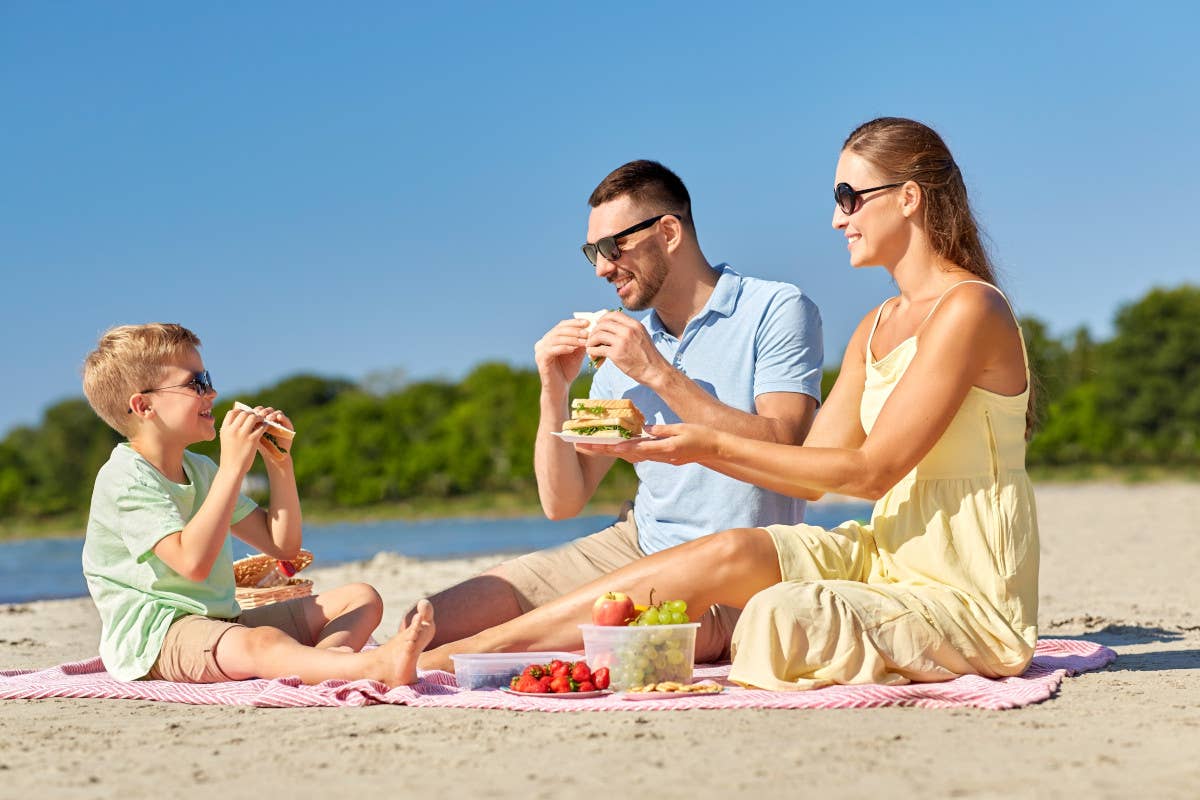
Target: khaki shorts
[
  {"x": 538, "y": 578},
  {"x": 188, "y": 653}
]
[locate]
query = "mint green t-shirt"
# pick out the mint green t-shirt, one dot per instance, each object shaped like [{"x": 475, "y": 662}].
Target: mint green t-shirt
[{"x": 134, "y": 506}]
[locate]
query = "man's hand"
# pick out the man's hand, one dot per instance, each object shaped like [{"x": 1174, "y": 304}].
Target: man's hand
[
  {"x": 623, "y": 340},
  {"x": 240, "y": 435},
  {"x": 559, "y": 354}
]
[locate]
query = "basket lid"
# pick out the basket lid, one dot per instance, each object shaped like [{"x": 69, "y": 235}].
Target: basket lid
[{"x": 248, "y": 571}]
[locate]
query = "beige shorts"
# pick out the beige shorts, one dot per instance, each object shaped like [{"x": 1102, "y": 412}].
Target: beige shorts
[
  {"x": 538, "y": 578},
  {"x": 188, "y": 653}
]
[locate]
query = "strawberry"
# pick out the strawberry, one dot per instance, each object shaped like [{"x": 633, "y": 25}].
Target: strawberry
[
  {"x": 546, "y": 680},
  {"x": 530, "y": 686},
  {"x": 560, "y": 669},
  {"x": 580, "y": 672},
  {"x": 600, "y": 678},
  {"x": 560, "y": 685},
  {"x": 587, "y": 686},
  {"x": 513, "y": 683},
  {"x": 534, "y": 671},
  {"x": 553, "y": 665}
]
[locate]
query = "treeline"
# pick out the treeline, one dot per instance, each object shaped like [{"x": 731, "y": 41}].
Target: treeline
[{"x": 1134, "y": 399}]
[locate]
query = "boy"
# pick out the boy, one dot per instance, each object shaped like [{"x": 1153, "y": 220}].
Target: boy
[{"x": 158, "y": 555}]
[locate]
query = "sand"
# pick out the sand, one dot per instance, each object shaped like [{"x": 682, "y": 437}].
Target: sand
[{"x": 1118, "y": 567}]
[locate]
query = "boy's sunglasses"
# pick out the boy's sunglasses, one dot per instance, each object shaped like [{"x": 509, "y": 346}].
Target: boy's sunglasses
[
  {"x": 607, "y": 246},
  {"x": 849, "y": 199},
  {"x": 201, "y": 383}
]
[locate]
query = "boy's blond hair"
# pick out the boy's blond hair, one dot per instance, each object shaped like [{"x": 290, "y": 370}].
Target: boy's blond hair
[{"x": 129, "y": 359}]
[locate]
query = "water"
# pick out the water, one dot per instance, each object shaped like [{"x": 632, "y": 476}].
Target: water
[{"x": 44, "y": 569}]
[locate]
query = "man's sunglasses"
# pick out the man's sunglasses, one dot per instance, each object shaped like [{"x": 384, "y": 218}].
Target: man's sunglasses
[
  {"x": 849, "y": 199},
  {"x": 607, "y": 246},
  {"x": 201, "y": 383}
]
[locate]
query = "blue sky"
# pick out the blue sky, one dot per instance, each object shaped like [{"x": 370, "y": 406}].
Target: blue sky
[{"x": 391, "y": 186}]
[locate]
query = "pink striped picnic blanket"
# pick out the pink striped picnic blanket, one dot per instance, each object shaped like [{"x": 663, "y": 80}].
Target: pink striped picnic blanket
[{"x": 1053, "y": 660}]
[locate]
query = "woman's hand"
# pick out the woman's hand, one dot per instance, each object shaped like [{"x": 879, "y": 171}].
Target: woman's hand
[{"x": 681, "y": 443}]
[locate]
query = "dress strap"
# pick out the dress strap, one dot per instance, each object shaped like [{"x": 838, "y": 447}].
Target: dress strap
[
  {"x": 996, "y": 289},
  {"x": 955, "y": 286},
  {"x": 874, "y": 325}
]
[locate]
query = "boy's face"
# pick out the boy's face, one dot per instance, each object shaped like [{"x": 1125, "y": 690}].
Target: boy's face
[{"x": 179, "y": 412}]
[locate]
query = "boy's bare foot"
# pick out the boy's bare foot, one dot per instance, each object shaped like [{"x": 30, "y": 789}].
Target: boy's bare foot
[{"x": 398, "y": 655}]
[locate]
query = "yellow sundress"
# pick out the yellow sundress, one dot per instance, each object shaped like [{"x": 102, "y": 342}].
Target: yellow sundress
[{"x": 942, "y": 581}]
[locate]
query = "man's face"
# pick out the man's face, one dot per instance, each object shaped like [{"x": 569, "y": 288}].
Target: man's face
[{"x": 641, "y": 269}]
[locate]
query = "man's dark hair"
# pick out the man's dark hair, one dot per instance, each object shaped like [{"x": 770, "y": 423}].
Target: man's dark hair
[{"x": 649, "y": 184}]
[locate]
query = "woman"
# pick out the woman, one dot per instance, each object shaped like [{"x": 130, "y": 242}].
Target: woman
[{"x": 928, "y": 418}]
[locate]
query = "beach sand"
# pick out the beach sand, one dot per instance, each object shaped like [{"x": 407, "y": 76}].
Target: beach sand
[{"x": 1118, "y": 567}]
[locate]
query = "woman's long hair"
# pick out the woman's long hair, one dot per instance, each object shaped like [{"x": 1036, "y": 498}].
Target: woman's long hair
[{"x": 907, "y": 150}]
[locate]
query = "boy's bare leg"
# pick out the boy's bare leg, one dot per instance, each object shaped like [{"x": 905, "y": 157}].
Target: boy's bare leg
[
  {"x": 725, "y": 568},
  {"x": 270, "y": 653},
  {"x": 343, "y": 618},
  {"x": 472, "y": 606}
]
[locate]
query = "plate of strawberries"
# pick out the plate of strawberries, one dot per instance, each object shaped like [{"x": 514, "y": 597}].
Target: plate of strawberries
[{"x": 565, "y": 680}]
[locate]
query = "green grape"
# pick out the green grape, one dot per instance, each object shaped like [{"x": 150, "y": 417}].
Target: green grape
[
  {"x": 674, "y": 657},
  {"x": 678, "y": 618},
  {"x": 677, "y": 605},
  {"x": 650, "y": 615}
]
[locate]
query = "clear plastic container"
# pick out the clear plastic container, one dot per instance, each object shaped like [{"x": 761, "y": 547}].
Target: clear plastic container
[
  {"x": 640, "y": 654},
  {"x": 496, "y": 670}
]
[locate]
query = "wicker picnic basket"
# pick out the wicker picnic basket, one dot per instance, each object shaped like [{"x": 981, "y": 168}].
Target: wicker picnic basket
[{"x": 260, "y": 583}]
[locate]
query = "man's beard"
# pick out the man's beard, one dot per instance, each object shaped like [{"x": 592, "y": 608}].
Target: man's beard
[{"x": 649, "y": 282}]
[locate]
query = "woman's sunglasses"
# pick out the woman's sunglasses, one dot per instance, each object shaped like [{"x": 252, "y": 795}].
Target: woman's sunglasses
[
  {"x": 850, "y": 200},
  {"x": 201, "y": 383},
  {"x": 607, "y": 246}
]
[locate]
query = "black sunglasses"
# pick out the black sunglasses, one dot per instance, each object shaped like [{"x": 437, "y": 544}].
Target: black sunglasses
[
  {"x": 849, "y": 199},
  {"x": 201, "y": 383},
  {"x": 607, "y": 246}
]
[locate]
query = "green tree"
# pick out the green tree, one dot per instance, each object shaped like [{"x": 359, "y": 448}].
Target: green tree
[{"x": 1149, "y": 378}]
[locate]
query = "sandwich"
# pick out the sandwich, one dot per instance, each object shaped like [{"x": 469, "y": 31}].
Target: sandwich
[
  {"x": 592, "y": 318},
  {"x": 604, "y": 419},
  {"x": 278, "y": 437}
]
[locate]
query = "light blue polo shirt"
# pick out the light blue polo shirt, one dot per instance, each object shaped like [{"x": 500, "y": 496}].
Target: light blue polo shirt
[{"x": 752, "y": 337}]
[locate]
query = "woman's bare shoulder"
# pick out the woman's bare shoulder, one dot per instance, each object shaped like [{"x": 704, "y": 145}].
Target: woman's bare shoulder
[{"x": 975, "y": 304}]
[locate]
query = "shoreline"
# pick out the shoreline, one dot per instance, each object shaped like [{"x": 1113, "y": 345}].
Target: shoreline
[{"x": 515, "y": 506}]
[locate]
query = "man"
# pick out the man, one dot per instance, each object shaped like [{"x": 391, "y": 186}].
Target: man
[{"x": 717, "y": 348}]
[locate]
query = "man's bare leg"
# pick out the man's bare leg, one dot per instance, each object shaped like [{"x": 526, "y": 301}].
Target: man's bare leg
[
  {"x": 472, "y": 606},
  {"x": 726, "y": 568}
]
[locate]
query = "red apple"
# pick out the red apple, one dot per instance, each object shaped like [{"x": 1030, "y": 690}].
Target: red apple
[{"x": 612, "y": 608}]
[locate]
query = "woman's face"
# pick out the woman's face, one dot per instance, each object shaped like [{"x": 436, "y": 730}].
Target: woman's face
[{"x": 877, "y": 232}]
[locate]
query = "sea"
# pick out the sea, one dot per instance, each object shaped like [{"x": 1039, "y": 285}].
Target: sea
[{"x": 47, "y": 569}]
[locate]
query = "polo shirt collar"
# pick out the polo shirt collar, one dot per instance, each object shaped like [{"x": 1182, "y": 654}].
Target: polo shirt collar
[{"x": 723, "y": 300}]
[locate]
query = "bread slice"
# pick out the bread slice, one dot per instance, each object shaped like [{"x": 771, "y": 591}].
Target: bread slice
[
  {"x": 584, "y": 408},
  {"x": 605, "y": 427}
]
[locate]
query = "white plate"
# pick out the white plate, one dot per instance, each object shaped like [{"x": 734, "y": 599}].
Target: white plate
[
  {"x": 558, "y": 695},
  {"x": 575, "y": 438},
  {"x": 668, "y": 695}
]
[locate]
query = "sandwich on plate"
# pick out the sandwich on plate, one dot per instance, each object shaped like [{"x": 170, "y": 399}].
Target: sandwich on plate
[{"x": 604, "y": 419}]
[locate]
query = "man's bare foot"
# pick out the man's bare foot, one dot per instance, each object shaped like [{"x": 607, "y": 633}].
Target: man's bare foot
[
  {"x": 438, "y": 658},
  {"x": 398, "y": 655}
]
